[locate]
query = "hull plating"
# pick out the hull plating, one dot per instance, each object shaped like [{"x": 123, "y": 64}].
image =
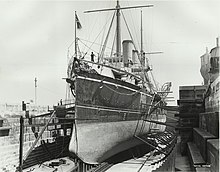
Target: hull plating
[
  {"x": 108, "y": 114},
  {"x": 95, "y": 142}
]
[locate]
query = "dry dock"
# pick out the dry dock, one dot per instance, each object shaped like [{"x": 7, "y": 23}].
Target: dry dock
[{"x": 196, "y": 147}]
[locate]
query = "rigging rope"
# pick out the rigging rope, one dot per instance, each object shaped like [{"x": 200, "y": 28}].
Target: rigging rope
[
  {"x": 133, "y": 24},
  {"x": 112, "y": 49},
  {"x": 97, "y": 36},
  {"x": 142, "y": 68},
  {"x": 93, "y": 42},
  {"x": 103, "y": 48},
  {"x": 90, "y": 30},
  {"x": 89, "y": 48}
]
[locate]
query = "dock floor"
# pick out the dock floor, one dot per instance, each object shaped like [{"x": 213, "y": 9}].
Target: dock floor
[{"x": 182, "y": 162}]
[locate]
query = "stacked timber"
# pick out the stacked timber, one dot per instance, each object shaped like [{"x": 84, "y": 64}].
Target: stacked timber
[{"x": 191, "y": 104}]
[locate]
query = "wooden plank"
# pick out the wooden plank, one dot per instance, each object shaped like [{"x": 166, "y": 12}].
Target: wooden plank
[
  {"x": 195, "y": 154},
  {"x": 203, "y": 169}
]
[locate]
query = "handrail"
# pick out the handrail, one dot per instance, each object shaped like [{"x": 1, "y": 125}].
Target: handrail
[{"x": 39, "y": 136}]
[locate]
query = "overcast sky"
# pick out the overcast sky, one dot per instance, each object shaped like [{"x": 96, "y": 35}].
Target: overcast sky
[{"x": 35, "y": 36}]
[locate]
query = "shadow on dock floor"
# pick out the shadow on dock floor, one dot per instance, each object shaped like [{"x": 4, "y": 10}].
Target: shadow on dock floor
[{"x": 182, "y": 162}]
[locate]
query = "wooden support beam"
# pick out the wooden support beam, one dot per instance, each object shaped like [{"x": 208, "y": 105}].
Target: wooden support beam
[
  {"x": 161, "y": 123},
  {"x": 119, "y": 8},
  {"x": 150, "y": 144}
]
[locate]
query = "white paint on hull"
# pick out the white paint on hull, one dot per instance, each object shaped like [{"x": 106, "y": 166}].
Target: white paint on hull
[{"x": 95, "y": 142}]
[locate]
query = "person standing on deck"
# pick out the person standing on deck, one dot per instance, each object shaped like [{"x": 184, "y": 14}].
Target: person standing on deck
[{"x": 92, "y": 57}]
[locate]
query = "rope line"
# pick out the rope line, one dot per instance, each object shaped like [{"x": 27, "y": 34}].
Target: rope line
[
  {"x": 142, "y": 68},
  {"x": 103, "y": 48}
]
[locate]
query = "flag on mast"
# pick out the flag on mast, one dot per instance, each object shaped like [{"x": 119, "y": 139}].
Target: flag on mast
[{"x": 78, "y": 24}]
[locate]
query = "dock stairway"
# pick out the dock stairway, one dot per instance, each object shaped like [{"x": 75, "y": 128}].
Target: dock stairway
[{"x": 195, "y": 156}]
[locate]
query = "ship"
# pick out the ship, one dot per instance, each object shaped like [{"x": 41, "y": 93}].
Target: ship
[
  {"x": 210, "y": 73},
  {"x": 115, "y": 100},
  {"x": 113, "y": 105}
]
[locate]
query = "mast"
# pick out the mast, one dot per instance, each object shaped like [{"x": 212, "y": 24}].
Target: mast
[
  {"x": 142, "y": 52},
  {"x": 118, "y": 23},
  {"x": 35, "y": 91},
  {"x": 75, "y": 36},
  {"x": 118, "y": 31}
]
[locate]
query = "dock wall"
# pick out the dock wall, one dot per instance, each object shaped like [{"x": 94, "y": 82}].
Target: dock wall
[{"x": 199, "y": 130}]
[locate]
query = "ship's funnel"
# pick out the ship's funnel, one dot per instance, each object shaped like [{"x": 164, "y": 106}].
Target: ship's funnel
[
  {"x": 217, "y": 42},
  {"x": 135, "y": 59},
  {"x": 127, "y": 51}
]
